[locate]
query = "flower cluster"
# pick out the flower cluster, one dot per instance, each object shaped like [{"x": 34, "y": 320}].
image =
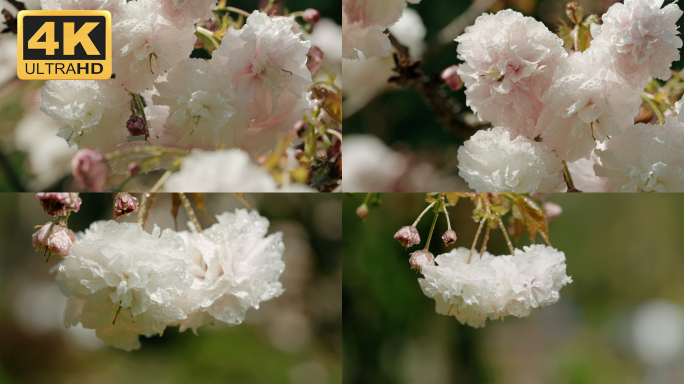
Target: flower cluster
[
  {"x": 364, "y": 23},
  {"x": 473, "y": 286},
  {"x": 248, "y": 90},
  {"x": 494, "y": 286},
  {"x": 124, "y": 282},
  {"x": 549, "y": 107}
]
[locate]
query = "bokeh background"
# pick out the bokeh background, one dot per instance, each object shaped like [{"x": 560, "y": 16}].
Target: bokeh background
[
  {"x": 32, "y": 158},
  {"x": 620, "y": 321},
  {"x": 411, "y": 150},
  {"x": 294, "y": 339}
]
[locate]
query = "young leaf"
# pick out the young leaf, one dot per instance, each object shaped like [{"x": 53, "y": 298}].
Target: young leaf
[
  {"x": 533, "y": 218},
  {"x": 332, "y": 103}
]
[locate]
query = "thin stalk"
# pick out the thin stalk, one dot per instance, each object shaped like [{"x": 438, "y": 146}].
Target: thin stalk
[
  {"x": 477, "y": 236},
  {"x": 202, "y": 32},
  {"x": 484, "y": 242},
  {"x": 654, "y": 107},
  {"x": 568, "y": 176},
  {"x": 575, "y": 37},
  {"x": 421, "y": 215},
  {"x": 508, "y": 241},
  {"x": 270, "y": 5},
  {"x": 139, "y": 106},
  {"x": 152, "y": 199},
  {"x": 335, "y": 133},
  {"x": 365, "y": 201},
  {"x": 241, "y": 197},
  {"x": 160, "y": 182},
  {"x": 238, "y": 10},
  {"x": 158, "y": 151},
  {"x": 190, "y": 212},
  {"x": 432, "y": 229},
  {"x": 143, "y": 205},
  {"x": 447, "y": 217}
]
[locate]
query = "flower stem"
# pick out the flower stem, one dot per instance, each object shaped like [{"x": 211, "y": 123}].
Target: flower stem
[
  {"x": 447, "y": 217},
  {"x": 153, "y": 149},
  {"x": 203, "y": 34},
  {"x": 238, "y": 10},
  {"x": 421, "y": 215},
  {"x": 139, "y": 106},
  {"x": 270, "y": 5},
  {"x": 190, "y": 212},
  {"x": 508, "y": 241},
  {"x": 160, "y": 182},
  {"x": 477, "y": 236},
  {"x": 432, "y": 229},
  {"x": 365, "y": 201},
  {"x": 123, "y": 184},
  {"x": 484, "y": 242},
  {"x": 568, "y": 176},
  {"x": 575, "y": 37},
  {"x": 654, "y": 107}
]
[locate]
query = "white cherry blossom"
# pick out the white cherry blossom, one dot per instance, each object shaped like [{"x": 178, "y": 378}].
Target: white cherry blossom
[
  {"x": 510, "y": 60},
  {"x": 492, "y": 161},
  {"x": 494, "y": 286}
]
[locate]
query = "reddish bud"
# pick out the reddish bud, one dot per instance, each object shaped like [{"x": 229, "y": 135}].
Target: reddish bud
[
  {"x": 53, "y": 238},
  {"x": 452, "y": 79},
  {"x": 125, "y": 204},
  {"x": 408, "y": 236},
  {"x": 362, "y": 211},
  {"x": 551, "y": 210},
  {"x": 133, "y": 169},
  {"x": 59, "y": 204},
  {"x": 449, "y": 237},
  {"x": 314, "y": 59},
  {"x": 312, "y": 16},
  {"x": 421, "y": 259},
  {"x": 137, "y": 126},
  {"x": 90, "y": 169},
  {"x": 301, "y": 128}
]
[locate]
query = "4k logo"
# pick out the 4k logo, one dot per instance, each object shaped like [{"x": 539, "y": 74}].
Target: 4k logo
[{"x": 64, "y": 45}]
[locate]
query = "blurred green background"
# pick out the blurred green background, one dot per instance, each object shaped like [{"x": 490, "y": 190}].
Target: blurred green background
[
  {"x": 401, "y": 118},
  {"x": 295, "y": 338},
  {"x": 622, "y": 250}
]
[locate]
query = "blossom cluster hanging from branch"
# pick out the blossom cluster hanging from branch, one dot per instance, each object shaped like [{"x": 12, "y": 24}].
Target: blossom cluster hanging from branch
[
  {"x": 124, "y": 282},
  {"x": 474, "y": 285}
]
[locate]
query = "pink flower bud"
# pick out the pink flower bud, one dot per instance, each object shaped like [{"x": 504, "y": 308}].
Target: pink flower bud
[
  {"x": 539, "y": 196},
  {"x": 301, "y": 128},
  {"x": 452, "y": 79},
  {"x": 407, "y": 236},
  {"x": 362, "y": 211},
  {"x": 314, "y": 59},
  {"x": 312, "y": 16},
  {"x": 133, "y": 169},
  {"x": 551, "y": 210},
  {"x": 90, "y": 169},
  {"x": 449, "y": 237},
  {"x": 125, "y": 204},
  {"x": 59, "y": 204},
  {"x": 54, "y": 238},
  {"x": 420, "y": 259},
  {"x": 137, "y": 126}
]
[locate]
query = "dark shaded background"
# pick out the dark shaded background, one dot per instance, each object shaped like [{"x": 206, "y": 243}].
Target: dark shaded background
[
  {"x": 622, "y": 251},
  {"x": 295, "y": 338}
]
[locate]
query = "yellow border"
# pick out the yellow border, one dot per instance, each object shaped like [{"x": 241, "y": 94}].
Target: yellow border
[{"x": 107, "y": 70}]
